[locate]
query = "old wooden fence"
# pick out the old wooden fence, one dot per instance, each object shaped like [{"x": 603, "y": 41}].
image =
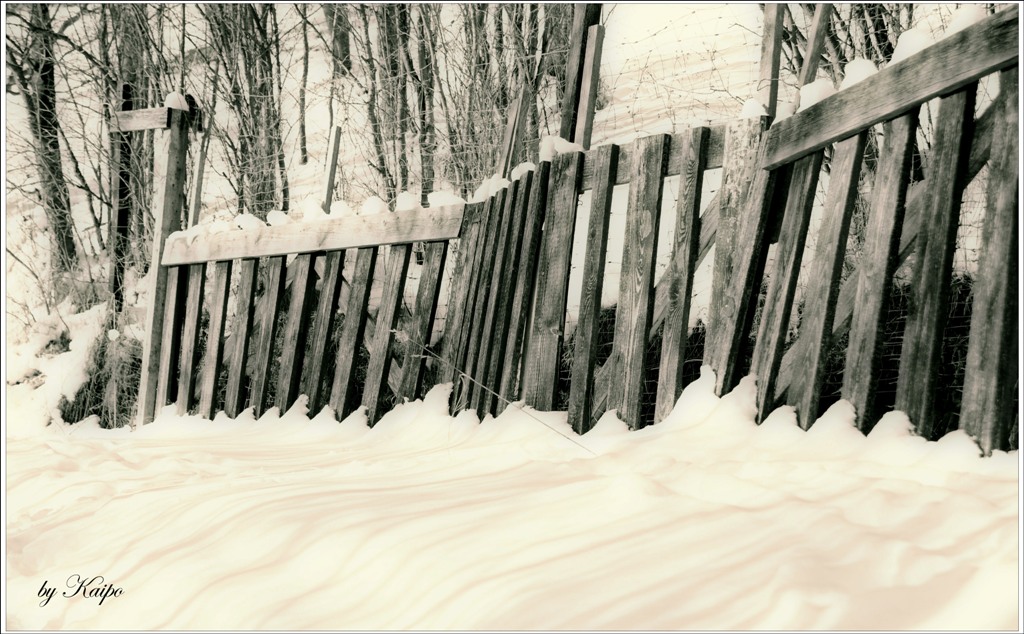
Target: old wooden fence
[{"x": 509, "y": 285}]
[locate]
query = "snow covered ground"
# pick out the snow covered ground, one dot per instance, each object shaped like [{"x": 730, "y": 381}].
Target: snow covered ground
[{"x": 705, "y": 521}]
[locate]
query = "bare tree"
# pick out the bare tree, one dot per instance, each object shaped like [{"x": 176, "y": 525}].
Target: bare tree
[{"x": 30, "y": 58}]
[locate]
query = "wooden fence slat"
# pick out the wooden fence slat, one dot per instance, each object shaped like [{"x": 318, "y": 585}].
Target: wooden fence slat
[
  {"x": 584, "y": 16},
  {"x": 738, "y": 171},
  {"x": 330, "y": 287},
  {"x": 343, "y": 388},
  {"x": 168, "y": 202},
  {"x": 771, "y": 56},
  {"x": 589, "y": 86},
  {"x": 950, "y": 64},
  {"x": 458, "y": 292},
  {"x": 540, "y": 374},
  {"x": 878, "y": 263},
  {"x": 263, "y": 345},
  {"x": 460, "y": 396},
  {"x": 465, "y": 327},
  {"x": 983, "y": 134},
  {"x": 241, "y": 327},
  {"x": 505, "y": 291},
  {"x": 634, "y": 311},
  {"x": 442, "y": 223},
  {"x": 219, "y": 282},
  {"x": 991, "y": 372},
  {"x": 581, "y": 388},
  {"x": 734, "y": 312},
  {"x": 929, "y": 293},
  {"x": 190, "y": 338},
  {"x": 488, "y": 342},
  {"x": 519, "y": 313},
  {"x": 296, "y": 327},
  {"x": 778, "y": 304},
  {"x": 480, "y": 289},
  {"x": 418, "y": 333},
  {"x": 376, "y": 386},
  {"x": 680, "y": 278},
  {"x": 170, "y": 347},
  {"x": 323, "y": 327},
  {"x": 823, "y": 287}
]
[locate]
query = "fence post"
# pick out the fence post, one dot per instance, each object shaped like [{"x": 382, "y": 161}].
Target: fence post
[
  {"x": 991, "y": 374},
  {"x": 168, "y": 203},
  {"x": 771, "y": 49},
  {"x": 589, "y": 85},
  {"x": 584, "y": 17}
]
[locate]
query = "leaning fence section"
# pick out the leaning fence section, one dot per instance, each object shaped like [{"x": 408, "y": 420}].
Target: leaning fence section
[
  {"x": 770, "y": 177},
  {"x": 504, "y": 334}
]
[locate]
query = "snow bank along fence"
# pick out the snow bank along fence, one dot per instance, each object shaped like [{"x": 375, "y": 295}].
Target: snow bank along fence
[{"x": 503, "y": 334}]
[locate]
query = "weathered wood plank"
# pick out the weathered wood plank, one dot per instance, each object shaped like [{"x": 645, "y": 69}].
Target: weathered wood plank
[
  {"x": 540, "y": 372},
  {"x": 506, "y": 294},
  {"x": 633, "y": 313},
  {"x": 296, "y": 327},
  {"x": 584, "y": 16},
  {"x": 323, "y": 326},
  {"x": 878, "y": 263},
  {"x": 168, "y": 201},
  {"x": 581, "y": 388},
  {"x": 418, "y": 333},
  {"x": 480, "y": 295},
  {"x": 929, "y": 293},
  {"x": 190, "y": 338},
  {"x": 212, "y": 361},
  {"x": 680, "y": 279},
  {"x": 500, "y": 239},
  {"x": 589, "y": 85},
  {"x": 915, "y": 200},
  {"x": 715, "y": 155},
  {"x": 945, "y": 67},
  {"x": 376, "y": 386},
  {"x": 473, "y": 297},
  {"x": 263, "y": 344},
  {"x": 458, "y": 294},
  {"x": 823, "y": 287},
  {"x": 462, "y": 370},
  {"x": 170, "y": 345},
  {"x": 343, "y": 388},
  {"x": 742, "y": 142},
  {"x": 734, "y": 310},
  {"x": 145, "y": 119},
  {"x": 442, "y": 223},
  {"x": 521, "y": 309},
  {"x": 771, "y": 55},
  {"x": 778, "y": 304},
  {"x": 235, "y": 395},
  {"x": 991, "y": 373}
]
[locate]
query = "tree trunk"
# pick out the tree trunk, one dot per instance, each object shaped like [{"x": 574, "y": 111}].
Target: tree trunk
[
  {"x": 340, "y": 52},
  {"x": 303, "y": 154},
  {"x": 41, "y": 101}
]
